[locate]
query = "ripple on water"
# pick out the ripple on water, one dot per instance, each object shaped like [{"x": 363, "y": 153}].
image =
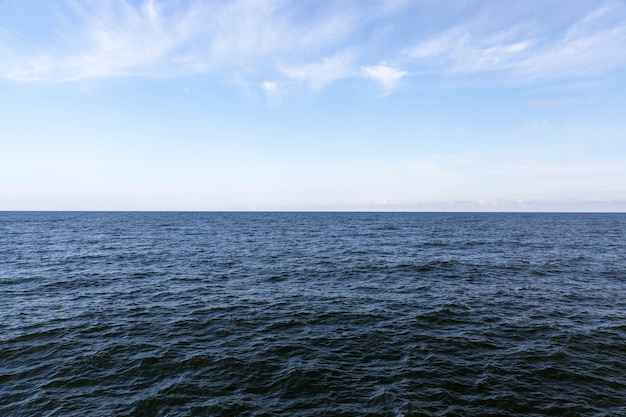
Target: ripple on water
[{"x": 310, "y": 314}]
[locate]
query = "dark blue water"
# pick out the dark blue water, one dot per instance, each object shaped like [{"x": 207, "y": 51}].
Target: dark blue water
[{"x": 312, "y": 314}]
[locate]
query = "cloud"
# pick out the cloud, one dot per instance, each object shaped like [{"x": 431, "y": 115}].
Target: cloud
[
  {"x": 121, "y": 38},
  {"x": 311, "y": 43},
  {"x": 99, "y": 40},
  {"x": 269, "y": 86},
  {"x": 326, "y": 71},
  {"x": 273, "y": 92},
  {"x": 387, "y": 76},
  {"x": 591, "y": 54},
  {"x": 151, "y": 12},
  {"x": 589, "y": 45},
  {"x": 463, "y": 50}
]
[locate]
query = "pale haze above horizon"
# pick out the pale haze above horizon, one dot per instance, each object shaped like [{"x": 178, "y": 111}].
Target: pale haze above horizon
[{"x": 384, "y": 105}]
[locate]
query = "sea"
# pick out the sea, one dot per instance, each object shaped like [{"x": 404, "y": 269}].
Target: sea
[{"x": 312, "y": 314}]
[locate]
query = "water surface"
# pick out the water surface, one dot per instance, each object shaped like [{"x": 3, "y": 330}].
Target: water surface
[{"x": 312, "y": 314}]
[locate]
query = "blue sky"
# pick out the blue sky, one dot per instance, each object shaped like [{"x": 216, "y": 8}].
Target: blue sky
[{"x": 313, "y": 105}]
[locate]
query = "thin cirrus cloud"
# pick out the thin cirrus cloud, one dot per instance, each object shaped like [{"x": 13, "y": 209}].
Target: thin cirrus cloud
[
  {"x": 93, "y": 40},
  {"x": 315, "y": 44},
  {"x": 326, "y": 71},
  {"x": 529, "y": 50},
  {"x": 119, "y": 38}
]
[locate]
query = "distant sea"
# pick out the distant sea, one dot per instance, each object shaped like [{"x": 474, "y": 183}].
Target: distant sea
[{"x": 312, "y": 314}]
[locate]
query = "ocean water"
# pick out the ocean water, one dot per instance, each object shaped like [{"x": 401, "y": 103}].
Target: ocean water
[{"x": 312, "y": 314}]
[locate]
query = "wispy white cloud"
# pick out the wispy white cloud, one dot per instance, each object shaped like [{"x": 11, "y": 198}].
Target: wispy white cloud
[
  {"x": 151, "y": 12},
  {"x": 249, "y": 33},
  {"x": 307, "y": 42},
  {"x": 102, "y": 40},
  {"x": 465, "y": 49},
  {"x": 319, "y": 74},
  {"x": 589, "y": 54},
  {"x": 386, "y": 75},
  {"x": 269, "y": 86},
  {"x": 273, "y": 91},
  {"x": 164, "y": 38},
  {"x": 590, "y": 45}
]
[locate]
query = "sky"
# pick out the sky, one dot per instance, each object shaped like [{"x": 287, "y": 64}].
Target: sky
[{"x": 357, "y": 105}]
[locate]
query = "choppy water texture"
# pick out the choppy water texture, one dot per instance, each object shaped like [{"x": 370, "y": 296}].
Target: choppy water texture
[{"x": 312, "y": 314}]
